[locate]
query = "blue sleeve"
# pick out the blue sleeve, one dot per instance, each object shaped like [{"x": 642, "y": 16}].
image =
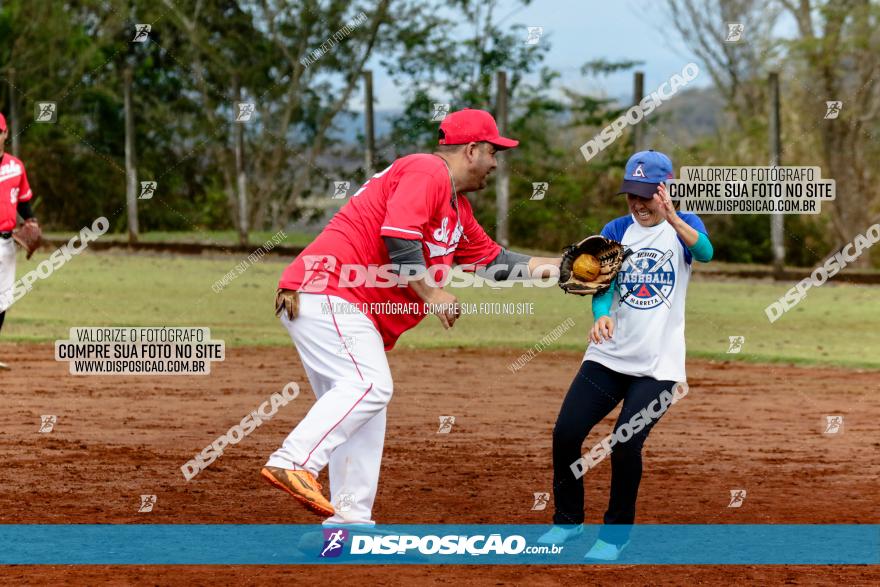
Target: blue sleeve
[
  {"x": 702, "y": 250},
  {"x": 602, "y": 302},
  {"x": 615, "y": 229},
  {"x": 694, "y": 222}
]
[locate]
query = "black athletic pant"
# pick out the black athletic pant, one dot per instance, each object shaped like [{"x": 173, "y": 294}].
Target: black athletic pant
[{"x": 595, "y": 391}]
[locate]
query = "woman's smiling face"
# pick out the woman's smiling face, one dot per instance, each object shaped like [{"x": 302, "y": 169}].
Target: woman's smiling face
[{"x": 644, "y": 210}]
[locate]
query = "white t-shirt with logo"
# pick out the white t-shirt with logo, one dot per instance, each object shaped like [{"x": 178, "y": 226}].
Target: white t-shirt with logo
[{"x": 649, "y": 300}]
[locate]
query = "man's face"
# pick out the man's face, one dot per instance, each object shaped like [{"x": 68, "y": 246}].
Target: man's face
[
  {"x": 481, "y": 162},
  {"x": 3, "y": 134}
]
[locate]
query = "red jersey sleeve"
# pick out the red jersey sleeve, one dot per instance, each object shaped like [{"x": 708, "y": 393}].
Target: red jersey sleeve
[
  {"x": 411, "y": 205},
  {"x": 24, "y": 188},
  {"x": 476, "y": 247}
]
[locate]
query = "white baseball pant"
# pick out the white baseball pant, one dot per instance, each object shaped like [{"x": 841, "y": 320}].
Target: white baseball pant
[
  {"x": 7, "y": 272},
  {"x": 344, "y": 359}
]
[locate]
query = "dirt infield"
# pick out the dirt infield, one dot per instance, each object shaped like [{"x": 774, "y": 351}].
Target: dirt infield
[{"x": 753, "y": 427}]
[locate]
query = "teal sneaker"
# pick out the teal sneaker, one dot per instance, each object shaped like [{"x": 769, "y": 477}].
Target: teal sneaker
[
  {"x": 603, "y": 551},
  {"x": 560, "y": 534}
]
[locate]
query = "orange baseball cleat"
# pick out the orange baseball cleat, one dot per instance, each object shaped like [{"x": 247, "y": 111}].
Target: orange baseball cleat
[{"x": 302, "y": 485}]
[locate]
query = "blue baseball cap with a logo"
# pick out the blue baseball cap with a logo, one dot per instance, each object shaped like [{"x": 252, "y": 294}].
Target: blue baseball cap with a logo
[{"x": 644, "y": 172}]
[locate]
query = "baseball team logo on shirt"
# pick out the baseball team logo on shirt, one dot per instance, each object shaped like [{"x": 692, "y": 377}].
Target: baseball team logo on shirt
[
  {"x": 446, "y": 243},
  {"x": 647, "y": 279},
  {"x": 10, "y": 170}
]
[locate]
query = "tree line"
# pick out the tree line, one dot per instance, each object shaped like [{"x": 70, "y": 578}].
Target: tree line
[{"x": 300, "y": 64}]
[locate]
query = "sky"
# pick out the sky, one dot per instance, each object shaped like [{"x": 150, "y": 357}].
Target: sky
[{"x": 582, "y": 30}]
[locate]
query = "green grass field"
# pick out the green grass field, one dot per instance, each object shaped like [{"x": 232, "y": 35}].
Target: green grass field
[
  {"x": 220, "y": 237},
  {"x": 835, "y": 324}
]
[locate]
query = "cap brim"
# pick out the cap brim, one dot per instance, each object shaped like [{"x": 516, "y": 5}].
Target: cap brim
[
  {"x": 503, "y": 143},
  {"x": 638, "y": 188}
]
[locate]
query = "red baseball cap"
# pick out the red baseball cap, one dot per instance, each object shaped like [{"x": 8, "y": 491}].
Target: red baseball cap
[
  {"x": 472, "y": 126},
  {"x": 2, "y": 123}
]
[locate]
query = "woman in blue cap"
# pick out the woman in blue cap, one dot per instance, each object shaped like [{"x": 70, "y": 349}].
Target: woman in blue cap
[{"x": 637, "y": 355}]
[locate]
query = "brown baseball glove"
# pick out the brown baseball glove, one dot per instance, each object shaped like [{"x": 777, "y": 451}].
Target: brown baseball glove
[
  {"x": 28, "y": 235},
  {"x": 287, "y": 302},
  {"x": 610, "y": 255}
]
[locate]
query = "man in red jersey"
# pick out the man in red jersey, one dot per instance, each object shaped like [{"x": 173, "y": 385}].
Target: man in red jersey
[
  {"x": 371, "y": 275},
  {"x": 15, "y": 196}
]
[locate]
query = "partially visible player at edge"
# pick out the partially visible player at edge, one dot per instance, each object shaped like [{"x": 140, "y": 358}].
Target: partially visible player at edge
[
  {"x": 15, "y": 196},
  {"x": 637, "y": 355},
  {"x": 414, "y": 214}
]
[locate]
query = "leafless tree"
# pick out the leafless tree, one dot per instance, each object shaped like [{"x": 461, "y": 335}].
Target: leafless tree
[{"x": 834, "y": 56}]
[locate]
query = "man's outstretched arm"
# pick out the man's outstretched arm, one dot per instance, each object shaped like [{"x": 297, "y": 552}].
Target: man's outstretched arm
[{"x": 510, "y": 263}]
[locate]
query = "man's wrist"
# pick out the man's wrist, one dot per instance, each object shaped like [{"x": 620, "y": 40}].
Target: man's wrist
[
  {"x": 544, "y": 267},
  {"x": 423, "y": 289}
]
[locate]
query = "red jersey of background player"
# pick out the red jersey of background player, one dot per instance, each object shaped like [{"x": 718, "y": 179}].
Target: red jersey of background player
[
  {"x": 411, "y": 199},
  {"x": 14, "y": 188}
]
